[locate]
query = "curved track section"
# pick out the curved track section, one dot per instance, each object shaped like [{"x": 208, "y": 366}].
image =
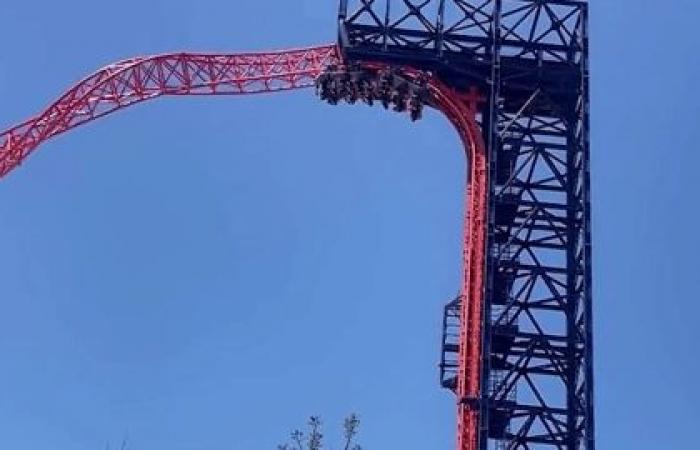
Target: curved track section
[
  {"x": 461, "y": 110},
  {"x": 135, "y": 80}
]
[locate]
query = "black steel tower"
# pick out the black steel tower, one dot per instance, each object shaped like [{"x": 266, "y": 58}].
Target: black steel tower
[{"x": 529, "y": 59}]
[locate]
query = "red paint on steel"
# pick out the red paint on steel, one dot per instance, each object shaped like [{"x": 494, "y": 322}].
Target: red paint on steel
[
  {"x": 461, "y": 110},
  {"x": 135, "y": 80}
]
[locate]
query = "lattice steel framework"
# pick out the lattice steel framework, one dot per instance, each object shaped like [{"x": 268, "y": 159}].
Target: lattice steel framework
[
  {"x": 517, "y": 344},
  {"x": 132, "y": 81},
  {"x": 529, "y": 59}
]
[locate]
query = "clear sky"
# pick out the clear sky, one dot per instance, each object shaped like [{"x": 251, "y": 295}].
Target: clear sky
[{"x": 205, "y": 273}]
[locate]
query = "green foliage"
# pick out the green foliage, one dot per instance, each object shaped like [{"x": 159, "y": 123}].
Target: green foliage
[{"x": 313, "y": 439}]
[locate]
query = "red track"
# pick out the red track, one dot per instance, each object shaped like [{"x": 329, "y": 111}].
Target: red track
[
  {"x": 135, "y": 80},
  {"x": 132, "y": 81},
  {"x": 461, "y": 110}
]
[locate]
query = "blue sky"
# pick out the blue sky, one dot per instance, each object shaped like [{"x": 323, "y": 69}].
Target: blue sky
[{"x": 205, "y": 273}]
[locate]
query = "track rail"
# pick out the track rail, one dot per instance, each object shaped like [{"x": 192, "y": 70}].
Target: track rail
[
  {"x": 139, "y": 79},
  {"x": 461, "y": 110}
]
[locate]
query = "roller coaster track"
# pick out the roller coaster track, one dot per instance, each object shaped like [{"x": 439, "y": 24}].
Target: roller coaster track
[
  {"x": 461, "y": 111},
  {"x": 139, "y": 79}
]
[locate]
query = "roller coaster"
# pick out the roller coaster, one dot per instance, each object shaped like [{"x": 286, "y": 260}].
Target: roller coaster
[{"x": 512, "y": 78}]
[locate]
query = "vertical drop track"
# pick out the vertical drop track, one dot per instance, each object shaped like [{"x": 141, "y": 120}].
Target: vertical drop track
[{"x": 136, "y": 80}]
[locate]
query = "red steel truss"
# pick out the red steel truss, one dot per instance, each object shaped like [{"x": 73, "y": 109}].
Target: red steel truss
[
  {"x": 461, "y": 110},
  {"x": 135, "y": 80}
]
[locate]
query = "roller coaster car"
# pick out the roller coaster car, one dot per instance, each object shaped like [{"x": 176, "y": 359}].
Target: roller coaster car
[{"x": 392, "y": 90}]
